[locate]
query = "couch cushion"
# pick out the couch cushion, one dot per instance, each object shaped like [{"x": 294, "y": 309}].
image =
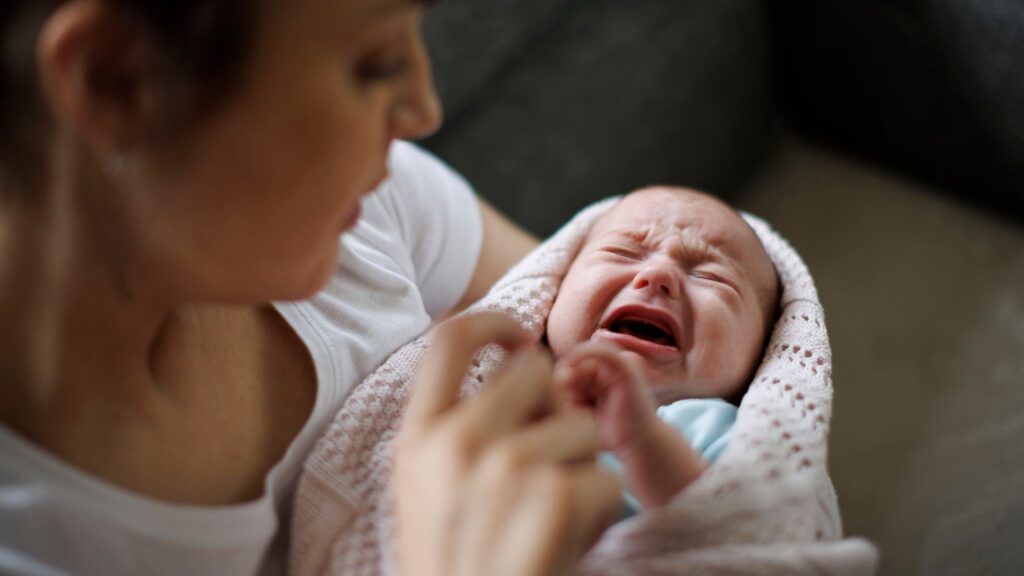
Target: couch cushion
[
  {"x": 604, "y": 97},
  {"x": 934, "y": 88},
  {"x": 473, "y": 41}
]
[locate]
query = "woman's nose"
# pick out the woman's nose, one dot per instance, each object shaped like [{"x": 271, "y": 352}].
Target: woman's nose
[
  {"x": 417, "y": 111},
  {"x": 659, "y": 278}
]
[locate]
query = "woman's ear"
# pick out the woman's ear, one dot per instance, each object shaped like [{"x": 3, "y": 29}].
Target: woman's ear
[{"x": 95, "y": 71}]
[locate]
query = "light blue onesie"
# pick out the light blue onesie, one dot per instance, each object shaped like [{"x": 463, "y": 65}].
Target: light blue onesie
[{"x": 705, "y": 422}]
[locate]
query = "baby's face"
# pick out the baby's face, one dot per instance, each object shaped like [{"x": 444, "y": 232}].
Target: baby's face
[{"x": 678, "y": 279}]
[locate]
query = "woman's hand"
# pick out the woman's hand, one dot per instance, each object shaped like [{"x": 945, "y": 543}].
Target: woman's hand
[{"x": 498, "y": 484}]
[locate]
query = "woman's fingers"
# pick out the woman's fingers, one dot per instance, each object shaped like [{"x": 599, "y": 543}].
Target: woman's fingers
[
  {"x": 569, "y": 510},
  {"x": 521, "y": 391},
  {"x": 569, "y": 436},
  {"x": 542, "y": 485},
  {"x": 597, "y": 496},
  {"x": 436, "y": 386},
  {"x": 481, "y": 485}
]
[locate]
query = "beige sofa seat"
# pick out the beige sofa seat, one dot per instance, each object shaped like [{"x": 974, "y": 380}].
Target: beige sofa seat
[{"x": 924, "y": 299}]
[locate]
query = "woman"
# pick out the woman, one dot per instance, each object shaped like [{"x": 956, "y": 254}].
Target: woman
[{"x": 167, "y": 170}]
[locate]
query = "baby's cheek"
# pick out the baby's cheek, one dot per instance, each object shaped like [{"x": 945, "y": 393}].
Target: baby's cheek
[
  {"x": 559, "y": 328},
  {"x": 581, "y": 302},
  {"x": 745, "y": 357},
  {"x": 718, "y": 359}
]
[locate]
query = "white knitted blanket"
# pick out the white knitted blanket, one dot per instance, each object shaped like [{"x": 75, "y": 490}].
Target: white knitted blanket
[{"x": 766, "y": 507}]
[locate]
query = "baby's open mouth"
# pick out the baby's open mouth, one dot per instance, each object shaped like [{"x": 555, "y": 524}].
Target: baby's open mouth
[{"x": 648, "y": 329}]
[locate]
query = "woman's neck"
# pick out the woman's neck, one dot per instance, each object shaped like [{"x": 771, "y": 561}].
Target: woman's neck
[{"x": 79, "y": 330}]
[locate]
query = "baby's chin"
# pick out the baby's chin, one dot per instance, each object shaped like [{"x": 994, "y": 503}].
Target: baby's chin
[
  {"x": 667, "y": 392},
  {"x": 669, "y": 387},
  {"x": 668, "y": 384}
]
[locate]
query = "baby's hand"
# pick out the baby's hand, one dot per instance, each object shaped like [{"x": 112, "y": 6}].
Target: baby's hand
[{"x": 611, "y": 382}]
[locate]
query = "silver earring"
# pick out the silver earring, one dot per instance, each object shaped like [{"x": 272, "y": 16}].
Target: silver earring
[{"x": 115, "y": 163}]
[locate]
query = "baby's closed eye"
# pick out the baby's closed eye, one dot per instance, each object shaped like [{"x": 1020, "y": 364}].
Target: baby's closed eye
[
  {"x": 717, "y": 276},
  {"x": 622, "y": 252}
]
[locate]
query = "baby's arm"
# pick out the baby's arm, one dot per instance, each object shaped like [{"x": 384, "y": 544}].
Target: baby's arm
[
  {"x": 659, "y": 465},
  {"x": 657, "y": 460}
]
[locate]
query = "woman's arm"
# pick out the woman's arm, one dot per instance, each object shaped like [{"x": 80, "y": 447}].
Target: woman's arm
[{"x": 504, "y": 244}]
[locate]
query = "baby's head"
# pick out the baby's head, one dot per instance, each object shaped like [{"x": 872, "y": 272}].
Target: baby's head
[{"x": 678, "y": 278}]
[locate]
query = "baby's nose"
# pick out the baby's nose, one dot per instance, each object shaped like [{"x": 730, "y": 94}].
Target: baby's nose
[{"x": 659, "y": 278}]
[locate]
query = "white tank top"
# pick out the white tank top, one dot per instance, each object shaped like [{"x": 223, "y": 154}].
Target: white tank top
[{"x": 410, "y": 258}]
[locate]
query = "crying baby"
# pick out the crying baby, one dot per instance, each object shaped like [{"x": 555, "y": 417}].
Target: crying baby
[{"x": 658, "y": 326}]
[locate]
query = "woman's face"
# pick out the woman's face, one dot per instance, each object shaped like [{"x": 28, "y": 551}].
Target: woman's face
[{"x": 249, "y": 206}]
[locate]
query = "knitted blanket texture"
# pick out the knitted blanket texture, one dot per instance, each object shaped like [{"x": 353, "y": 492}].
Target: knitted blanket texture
[{"x": 765, "y": 507}]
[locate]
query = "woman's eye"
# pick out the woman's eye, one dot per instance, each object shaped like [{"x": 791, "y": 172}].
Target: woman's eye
[{"x": 380, "y": 69}]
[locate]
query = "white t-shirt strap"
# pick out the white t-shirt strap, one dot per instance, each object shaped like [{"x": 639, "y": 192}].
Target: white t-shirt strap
[{"x": 439, "y": 218}]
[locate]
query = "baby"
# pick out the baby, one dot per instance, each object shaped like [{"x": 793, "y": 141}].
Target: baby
[{"x": 669, "y": 303}]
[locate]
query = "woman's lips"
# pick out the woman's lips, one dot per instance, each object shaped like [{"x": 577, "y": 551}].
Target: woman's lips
[
  {"x": 353, "y": 217},
  {"x": 646, "y": 348},
  {"x": 380, "y": 182}
]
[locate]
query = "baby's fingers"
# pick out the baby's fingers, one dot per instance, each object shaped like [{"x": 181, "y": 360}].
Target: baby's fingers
[
  {"x": 578, "y": 381},
  {"x": 615, "y": 364},
  {"x": 591, "y": 350}
]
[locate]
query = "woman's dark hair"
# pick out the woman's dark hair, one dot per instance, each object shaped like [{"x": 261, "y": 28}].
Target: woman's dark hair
[{"x": 200, "y": 48}]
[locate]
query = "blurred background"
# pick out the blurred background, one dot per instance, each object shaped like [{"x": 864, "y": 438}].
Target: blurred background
[{"x": 884, "y": 139}]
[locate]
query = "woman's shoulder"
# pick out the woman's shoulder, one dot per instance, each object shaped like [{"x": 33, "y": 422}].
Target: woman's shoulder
[
  {"x": 421, "y": 186},
  {"x": 415, "y": 166},
  {"x": 423, "y": 224}
]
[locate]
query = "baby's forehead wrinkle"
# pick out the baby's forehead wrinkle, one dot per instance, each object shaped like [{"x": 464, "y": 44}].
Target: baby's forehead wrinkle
[
  {"x": 680, "y": 239},
  {"x": 698, "y": 242},
  {"x": 638, "y": 234}
]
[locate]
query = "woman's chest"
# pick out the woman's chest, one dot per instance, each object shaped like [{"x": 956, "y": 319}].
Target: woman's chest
[{"x": 246, "y": 393}]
